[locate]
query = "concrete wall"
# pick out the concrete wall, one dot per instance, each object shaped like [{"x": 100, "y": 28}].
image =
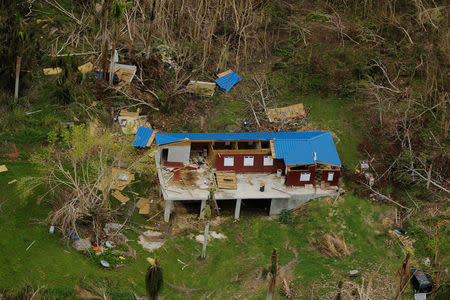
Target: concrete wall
[
  {"x": 258, "y": 164},
  {"x": 277, "y": 205},
  {"x": 178, "y": 153}
]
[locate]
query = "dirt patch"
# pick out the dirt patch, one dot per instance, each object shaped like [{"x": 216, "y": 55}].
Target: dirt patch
[{"x": 211, "y": 236}]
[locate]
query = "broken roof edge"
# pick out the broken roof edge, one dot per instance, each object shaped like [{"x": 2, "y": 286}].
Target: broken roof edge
[{"x": 163, "y": 138}]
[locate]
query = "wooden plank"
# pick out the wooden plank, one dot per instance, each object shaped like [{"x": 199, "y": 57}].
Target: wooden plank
[
  {"x": 52, "y": 71},
  {"x": 3, "y": 168},
  {"x": 151, "y": 139},
  {"x": 243, "y": 151},
  {"x": 121, "y": 197},
  {"x": 272, "y": 149}
]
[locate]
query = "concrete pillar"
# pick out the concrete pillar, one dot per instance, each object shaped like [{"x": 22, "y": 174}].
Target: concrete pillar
[
  {"x": 202, "y": 208},
  {"x": 167, "y": 210},
  {"x": 237, "y": 209}
]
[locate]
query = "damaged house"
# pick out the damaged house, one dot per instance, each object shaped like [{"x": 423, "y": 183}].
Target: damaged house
[{"x": 285, "y": 168}]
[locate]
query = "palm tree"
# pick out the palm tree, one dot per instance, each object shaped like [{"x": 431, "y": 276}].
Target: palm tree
[{"x": 153, "y": 279}]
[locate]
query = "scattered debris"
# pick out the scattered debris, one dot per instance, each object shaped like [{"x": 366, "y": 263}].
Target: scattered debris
[
  {"x": 52, "y": 71},
  {"x": 227, "y": 80},
  {"x": 3, "y": 168},
  {"x": 125, "y": 73},
  {"x": 119, "y": 196},
  {"x": 15, "y": 153},
  {"x": 387, "y": 222},
  {"x": 288, "y": 112},
  {"x": 330, "y": 244},
  {"x": 144, "y": 137},
  {"x": 51, "y": 230},
  {"x": 12, "y": 181},
  {"x": 86, "y": 68},
  {"x": 201, "y": 88},
  {"x": 32, "y": 243},
  {"x": 105, "y": 264},
  {"x": 33, "y": 112},
  {"x": 406, "y": 241},
  {"x": 81, "y": 244},
  {"x": 420, "y": 281},
  {"x": 151, "y": 240},
  {"x": 427, "y": 261},
  {"x": 144, "y": 206},
  {"x": 121, "y": 178},
  {"x": 130, "y": 124},
  {"x": 212, "y": 235},
  {"x": 353, "y": 273}
]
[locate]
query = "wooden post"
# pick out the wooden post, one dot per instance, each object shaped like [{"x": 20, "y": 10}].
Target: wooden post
[
  {"x": 429, "y": 177},
  {"x": 16, "y": 87}
]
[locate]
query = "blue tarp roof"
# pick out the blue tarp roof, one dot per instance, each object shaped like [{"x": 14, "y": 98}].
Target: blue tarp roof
[
  {"x": 142, "y": 136},
  {"x": 293, "y": 147},
  {"x": 226, "y": 82}
]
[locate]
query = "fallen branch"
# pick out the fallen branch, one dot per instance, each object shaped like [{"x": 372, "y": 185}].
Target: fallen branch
[
  {"x": 182, "y": 289},
  {"x": 431, "y": 181},
  {"x": 383, "y": 196}
]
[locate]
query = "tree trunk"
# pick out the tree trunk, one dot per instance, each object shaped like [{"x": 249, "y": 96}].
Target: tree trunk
[
  {"x": 205, "y": 240},
  {"x": 274, "y": 273},
  {"x": 16, "y": 88}
]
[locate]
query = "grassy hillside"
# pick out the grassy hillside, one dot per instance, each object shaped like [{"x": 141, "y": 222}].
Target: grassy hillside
[{"x": 374, "y": 73}]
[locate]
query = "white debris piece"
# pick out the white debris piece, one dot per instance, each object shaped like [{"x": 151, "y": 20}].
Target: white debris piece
[{"x": 212, "y": 235}]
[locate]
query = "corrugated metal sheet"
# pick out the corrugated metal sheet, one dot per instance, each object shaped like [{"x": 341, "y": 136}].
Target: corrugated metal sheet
[
  {"x": 326, "y": 151},
  {"x": 294, "y": 151},
  {"x": 166, "y": 138},
  {"x": 228, "y": 81},
  {"x": 142, "y": 136},
  {"x": 302, "y": 151}
]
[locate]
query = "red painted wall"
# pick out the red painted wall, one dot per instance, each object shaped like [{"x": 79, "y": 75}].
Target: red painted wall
[
  {"x": 258, "y": 164},
  {"x": 335, "y": 180},
  {"x": 293, "y": 177}
]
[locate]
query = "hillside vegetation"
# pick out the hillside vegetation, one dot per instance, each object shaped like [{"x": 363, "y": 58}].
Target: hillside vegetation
[{"x": 374, "y": 73}]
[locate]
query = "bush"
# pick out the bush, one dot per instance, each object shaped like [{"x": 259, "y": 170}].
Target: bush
[{"x": 287, "y": 218}]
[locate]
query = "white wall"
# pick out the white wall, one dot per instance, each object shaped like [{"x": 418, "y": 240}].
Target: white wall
[{"x": 178, "y": 153}]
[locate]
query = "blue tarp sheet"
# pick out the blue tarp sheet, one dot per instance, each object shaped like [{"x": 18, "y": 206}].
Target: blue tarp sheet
[
  {"x": 142, "y": 136},
  {"x": 228, "y": 81}
]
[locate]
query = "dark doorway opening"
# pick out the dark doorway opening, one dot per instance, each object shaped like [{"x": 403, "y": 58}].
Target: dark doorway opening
[
  {"x": 253, "y": 207},
  {"x": 226, "y": 207},
  {"x": 165, "y": 154}
]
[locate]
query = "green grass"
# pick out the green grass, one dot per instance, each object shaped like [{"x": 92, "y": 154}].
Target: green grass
[{"x": 52, "y": 263}]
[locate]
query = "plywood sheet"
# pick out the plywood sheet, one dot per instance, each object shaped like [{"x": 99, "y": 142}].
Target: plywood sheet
[
  {"x": 145, "y": 209},
  {"x": 52, "y": 71},
  {"x": 201, "y": 87},
  {"x": 226, "y": 180},
  {"x": 3, "y": 168},
  {"x": 86, "y": 68},
  {"x": 142, "y": 202},
  {"x": 126, "y": 113},
  {"x": 121, "y": 197},
  {"x": 288, "y": 112}
]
